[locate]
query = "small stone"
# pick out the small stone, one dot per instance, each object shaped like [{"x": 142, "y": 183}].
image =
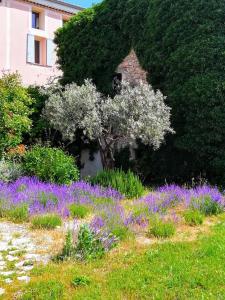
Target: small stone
[
  {"x": 21, "y": 272},
  {"x": 2, "y": 291},
  {"x": 4, "y": 246},
  {"x": 33, "y": 256},
  {"x": 11, "y": 258},
  {"x": 27, "y": 268},
  {"x": 8, "y": 280},
  {"x": 24, "y": 278},
  {"x": 19, "y": 264},
  {"x": 6, "y": 273},
  {"x": 21, "y": 242},
  {"x": 14, "y": 252}
]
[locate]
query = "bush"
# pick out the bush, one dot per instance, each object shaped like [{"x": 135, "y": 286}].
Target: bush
[
  {"x": 193, "y": 217},
  {"x": 78, "y": 210},
  {"x": 88, "y": 246},
  {"x": 68, "y": 249},
  {"x": 46, "y": 222},
  {"x": 10, "y": 170},
  {"x": 161, "y": 229},
  {"x": 44, "y": 290},
  {"x": 15, "y": 111},
  {"x": 120, "y": 232},
  {"x": 50, "y": 164},
  {"x": 17, "y": 213},
  {"x": 80, "y": 281},
  {"x": 207, "y": 205},
  {"x": 40, "y": 126},
  {"x": 127, "y": 184}
]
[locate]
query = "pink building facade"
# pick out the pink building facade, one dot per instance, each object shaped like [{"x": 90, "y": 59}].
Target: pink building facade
[{"x": 27, "y": 30}]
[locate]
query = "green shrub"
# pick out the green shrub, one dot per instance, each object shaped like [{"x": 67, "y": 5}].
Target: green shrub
[
  {"x": 140, "y": 210},
  {"x": 80, "y": 281},
  {"x": 44, "y": 290},
  {"x": 88, "y": 247},
  {"x": 207, "y": 206},
  {"x": 15, "y": 111},
  {"x": 161, "y": 229},
  {"x": 78, "y": 210},
  {"x": 10, "y": 170},
  {"x": 121, "y": 232},
  {"x": 68, "y": 249},
  {"x": 50, "y": 164},
  {"x": 193, "y": 217},
  {"x": 50, "y": 221},
  {"x": 128, "y": 183},
  {"x": 17, "y": 213},
  {"x": 39, "y": 123}
]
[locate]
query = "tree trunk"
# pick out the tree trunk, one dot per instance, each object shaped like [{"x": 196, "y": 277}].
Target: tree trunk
[{"x": 106, "y": 152}]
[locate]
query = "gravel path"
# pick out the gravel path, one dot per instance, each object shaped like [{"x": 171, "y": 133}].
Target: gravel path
[{"x": 21, "y": 249}]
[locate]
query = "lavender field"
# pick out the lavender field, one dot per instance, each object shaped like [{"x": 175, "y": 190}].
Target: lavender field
[{"x": 107, "y": 208}]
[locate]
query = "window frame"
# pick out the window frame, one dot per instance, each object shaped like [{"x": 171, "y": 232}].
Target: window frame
[{"x": 35, "y": 20}]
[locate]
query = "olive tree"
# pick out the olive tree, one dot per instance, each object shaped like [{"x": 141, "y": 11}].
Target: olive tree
[{"x": 135, "y": 112}]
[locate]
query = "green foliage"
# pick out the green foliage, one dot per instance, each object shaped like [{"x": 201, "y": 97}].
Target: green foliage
[
  {"x": 128, "y": 183},
  {"x": 39, "y": 123},
  {"x": 17, "y": 214},
  {"x": 193, "y": 217},
  {"x": 169, "y": 270},
  {"x": 120, "y": 231},
  {"x": 44, "y": 290},
  {"x": 50, "y": 221},
  {"x": 88, "y": 246},
  {"x": 10, "y": 170},
  {"x": 68, "y": 250},
  {"x": 50, "y": 164},
  {"x": 108, "y": 31},
  {"x": 161, "y": 229},
  {"x": 78, "y": 210},
  {"x": 15, "y": 111},
  {"x": 180, "y": 44},
  {"x": 207, "y": 206},
  {"x": 141, "y": 210},
  {"x": 80, "y": 281}
]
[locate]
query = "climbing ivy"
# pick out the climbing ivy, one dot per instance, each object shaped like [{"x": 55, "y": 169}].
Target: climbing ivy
[
  {"x": 94, "y": 42},
  {"x": 181, "y": 43}
]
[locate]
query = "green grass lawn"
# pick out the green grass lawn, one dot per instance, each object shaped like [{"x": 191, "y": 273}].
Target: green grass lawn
[{"x": 178, "y": 270}]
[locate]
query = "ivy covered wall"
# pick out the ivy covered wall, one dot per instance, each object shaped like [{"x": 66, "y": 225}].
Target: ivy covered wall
[{"x": 181, "y": 44}]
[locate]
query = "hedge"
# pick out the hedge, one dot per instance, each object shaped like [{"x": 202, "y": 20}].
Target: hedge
[{"x": 181, "y": 44}]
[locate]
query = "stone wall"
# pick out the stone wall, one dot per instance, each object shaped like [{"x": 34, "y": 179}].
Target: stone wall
[{"x": 131, "y": 69}]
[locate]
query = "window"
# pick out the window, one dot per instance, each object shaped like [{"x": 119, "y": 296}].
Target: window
[
  {"x": 116, "y": 83},
  {"x": 40, "y": 51},
  {"x": 37, "y": 52},
  {"x": 35, "y": 20}
]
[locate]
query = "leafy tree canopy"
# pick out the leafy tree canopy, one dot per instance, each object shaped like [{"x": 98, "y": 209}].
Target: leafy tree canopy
[
  {"x": 14, "y": 111},
  {"x": 136, "y": 112}
]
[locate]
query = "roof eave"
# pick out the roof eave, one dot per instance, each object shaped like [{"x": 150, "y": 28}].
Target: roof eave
[{"x": 58, "y": 5}]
